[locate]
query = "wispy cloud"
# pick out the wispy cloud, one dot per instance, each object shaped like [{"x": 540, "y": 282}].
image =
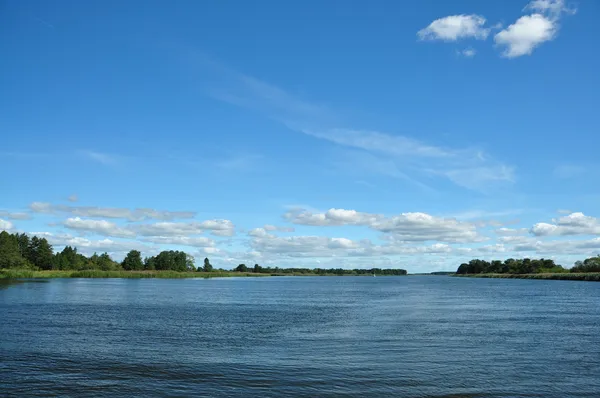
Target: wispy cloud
[
  {"x": 466, "y": 167},
  {"x": 467, "y": 52},
  {"x": 103, "y": 158},
  {"x": 243, "y": 162},
  {"x": 566, "y": 171}
]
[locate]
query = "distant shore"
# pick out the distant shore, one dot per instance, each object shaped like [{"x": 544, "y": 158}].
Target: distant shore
[
  {"x": 563, "y": 276},
  {"x": 31, "y": 274}
]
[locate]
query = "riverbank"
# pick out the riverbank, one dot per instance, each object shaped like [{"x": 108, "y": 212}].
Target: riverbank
[
  {"x": 29, "y": 274},
  {"x": 563, "y": 276}
]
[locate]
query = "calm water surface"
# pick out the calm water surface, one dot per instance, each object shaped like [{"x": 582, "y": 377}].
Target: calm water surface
[{"x": 301, "y": 336}]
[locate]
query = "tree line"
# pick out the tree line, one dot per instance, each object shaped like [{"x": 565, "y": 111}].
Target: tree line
[
  {"x": 526, "y": 266},
  {"x": 318, "y": 271},
  {"x": 22, "y": 251}
]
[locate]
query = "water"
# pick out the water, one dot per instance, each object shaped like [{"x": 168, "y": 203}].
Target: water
[{"x": 301, "y": 336}]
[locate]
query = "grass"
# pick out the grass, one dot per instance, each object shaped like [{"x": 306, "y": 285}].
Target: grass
[
  {"x": 572, "y": 276},
  {"x": 29, "y": 274}
]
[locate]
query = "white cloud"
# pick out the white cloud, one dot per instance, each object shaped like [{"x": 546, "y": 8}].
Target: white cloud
[
  {"x": 73, "y": 198},
  {"x": 511, "y": 231},
  {"x": 111, "y": 212},
  {"x": 580, "y": 248},
  {"x": 455, "y": 27},
  {"x": 216, "y": 227},
  {"x": 182, "y": 240},
  {"x": 269, "y": 227},
  {"x": 573, "y": 224},
  {"x": 15, "y": 215},
  {"x": 5, "y": 225},
  {"x": 530, "y": 31},
  {"x": 260, "y": 233},
  {"x": 468, "y": 52},
  {"x": 527, "y": 33},
  {"x": 219, "y": 227},
  {"x": 330, "y": 217},
  {"x": 420, "y": 227},
  {"x": 552, "y": 8},
  {"x": 409, "y": 227},
  {"x": 100, "y": 227},
  {"x": 89, "y": 246}
]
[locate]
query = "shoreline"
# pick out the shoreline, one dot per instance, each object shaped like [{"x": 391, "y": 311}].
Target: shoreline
[
  {"x": 31, "y": 274},
  {"x": 561, "y": 276}
]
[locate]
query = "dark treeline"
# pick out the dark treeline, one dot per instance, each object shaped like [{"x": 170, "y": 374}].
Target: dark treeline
[
  {"x": 526, "y": 266},
  {"x": 23, "y": 251},
  {"x": 317, "y": 271}
]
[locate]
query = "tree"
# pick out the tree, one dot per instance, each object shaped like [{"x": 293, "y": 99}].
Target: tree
[
  {"x": 105, "y": 263},
  {"x": 257, "y": 268},
  {"x": 241, "y": 268},
  {"x": 69, "y": 259},
  {"x": 133, "y": 261},
  {"x": 207, "y": 265},
  {"x": 40, "y": 253},
  {"x": 10, "y": 255}
]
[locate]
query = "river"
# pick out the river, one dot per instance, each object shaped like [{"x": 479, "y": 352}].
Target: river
[{"x": 415, "y": 336}]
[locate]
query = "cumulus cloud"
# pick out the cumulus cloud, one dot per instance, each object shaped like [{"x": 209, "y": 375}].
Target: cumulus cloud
[
  {"x": 511, "y": 231},
  {"x": 89, "y": 246},
  {"x": 259, "y": 233},
  {"x": 330, "y": 217},
  {"x": 100, "y": 227},
  {"x": 5, "y": 225},
  {"x": 455, "y": 27},
  {"x": 182, "y": 241},
  {"x": 527, "y": 33},
  {"x": 269, "y": 227},
  {"x": 409, "y": 227},
  {"x": 111, "y": 212},
  {"x": 530, "y": 31},
  {"x": 573, "y": 224},
  {"x": 216, "y": 227},
  {"x": 73, "y": 198},
  {"x": 420, "y": 227},
  {"x": 561, "y": 247},
  {"x": 302, "y": 246}
]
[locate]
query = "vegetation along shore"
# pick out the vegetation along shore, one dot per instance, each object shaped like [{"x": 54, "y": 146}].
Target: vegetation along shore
[
  {"x": 24, "y": 256},
  {"x": 586, "y": 270}
]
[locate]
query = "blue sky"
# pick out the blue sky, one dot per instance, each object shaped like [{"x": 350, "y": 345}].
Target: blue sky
[{"x": 316, "y": 133}]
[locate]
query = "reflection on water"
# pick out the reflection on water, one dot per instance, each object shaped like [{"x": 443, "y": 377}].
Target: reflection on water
[
  {"x": 5, "y": 282},
  {"x": 303, "y": 336}
]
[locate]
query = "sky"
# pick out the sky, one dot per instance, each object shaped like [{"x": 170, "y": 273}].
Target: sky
[{"x": 353, "y": 134}]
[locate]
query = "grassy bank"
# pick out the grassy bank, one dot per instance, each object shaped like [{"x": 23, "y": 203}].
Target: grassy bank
[
  {"x": 563, "y": 276},
  {"x": 22, "y": 274}
]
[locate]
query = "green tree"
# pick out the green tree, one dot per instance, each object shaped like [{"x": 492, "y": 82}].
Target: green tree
[
  {"x": 207, "y": 265},
  {"x": 133, "y": 261},
  {"x": 105, "y": 263},
  {"x": 257, "y": 269},
  {"x": 10, "y": 255},
  {"x": 241, "y": 268},
  {"x": 40, "y": 253}
]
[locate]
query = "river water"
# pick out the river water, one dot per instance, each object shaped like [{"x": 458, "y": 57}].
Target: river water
[{"x": 415, "y": 336}]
